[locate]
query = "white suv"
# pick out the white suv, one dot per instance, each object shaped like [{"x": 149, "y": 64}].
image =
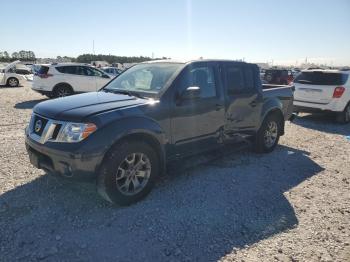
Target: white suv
[
  {"x": 58, "y": 80},
  {"x": 323, "y": 90}
]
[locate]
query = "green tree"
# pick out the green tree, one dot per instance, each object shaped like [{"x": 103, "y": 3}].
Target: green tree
[
  {"x": 6, "y": 56},
  {"x": 87, "y": 58},
  {"x": 15, "y": 55}
]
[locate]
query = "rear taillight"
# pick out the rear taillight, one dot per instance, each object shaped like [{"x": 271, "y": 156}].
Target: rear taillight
[{"x": 338, "y": 91}]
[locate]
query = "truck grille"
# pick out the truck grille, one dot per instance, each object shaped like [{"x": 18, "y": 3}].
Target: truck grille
[
  {"x": 39, "y": 125},
  {"x": 42, "y": 129}
]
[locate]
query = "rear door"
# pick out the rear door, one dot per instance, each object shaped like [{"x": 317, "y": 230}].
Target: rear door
[
  {"x": 243, "y": 95},
  {"x": 317, "y": 86}
]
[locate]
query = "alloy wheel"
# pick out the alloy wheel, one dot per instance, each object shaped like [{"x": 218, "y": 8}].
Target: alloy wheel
[
  {"x": 13, "y": 82},
  {"x": 62, "y": 92},
  {"x": 271, "y": 134},
  {"x": 133, "y": 174}
]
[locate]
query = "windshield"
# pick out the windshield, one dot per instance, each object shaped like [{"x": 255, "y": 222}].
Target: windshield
[{"x": 145, "y": 78}]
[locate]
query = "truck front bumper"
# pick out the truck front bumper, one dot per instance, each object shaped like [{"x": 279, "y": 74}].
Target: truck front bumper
[{"x": 67, "y": 163}]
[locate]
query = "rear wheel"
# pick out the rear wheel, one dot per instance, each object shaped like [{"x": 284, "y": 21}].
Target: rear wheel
[
  {"x": 128, "y": 173},
  {"x": 344, "y": 117},
  {"x": 268, "y": 135},
  {"x": 50, "y": 95},
  {"x": 12, "y": 82},
  {"x": 62, "y": 91}
]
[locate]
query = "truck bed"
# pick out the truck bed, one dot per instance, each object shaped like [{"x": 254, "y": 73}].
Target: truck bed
[
  {"x": 282, "y": 93},
  {"x": 271, "y": 86}
]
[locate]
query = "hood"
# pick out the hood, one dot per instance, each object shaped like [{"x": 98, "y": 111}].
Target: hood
[
  {"x": 77, "y": 107},
  {"x": 10, "y": 65}
]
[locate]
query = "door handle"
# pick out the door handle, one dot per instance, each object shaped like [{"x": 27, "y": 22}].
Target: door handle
[
  {"x": 218, "y": 107},
  {"x": 253, "y": 103}
]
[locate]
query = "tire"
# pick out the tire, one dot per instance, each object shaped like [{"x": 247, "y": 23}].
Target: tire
[
  {"x": 62, "y": 90},
  {"x": 344, "y": 117},
  {"x": 268, "y": 135},
  {"x": 12, "y": 82},
  {"x": 122, "y": 166},
  {"x": 50, "y": 95}
]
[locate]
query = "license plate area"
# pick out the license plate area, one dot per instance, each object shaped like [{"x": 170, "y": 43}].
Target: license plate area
[{"x": 39, "y": 160}]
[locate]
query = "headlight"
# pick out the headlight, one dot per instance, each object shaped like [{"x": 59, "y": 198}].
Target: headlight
[{"x": 76, "y": 132}]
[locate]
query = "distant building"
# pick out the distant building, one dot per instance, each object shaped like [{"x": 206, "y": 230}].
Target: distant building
[
  {"x": 59, "y": 59},
  {"x": 128, "y": 65},
  {"x": 118, "y": 65},
  {"x": 99, "y": 63},
  {"x": 263, "y": 65}
]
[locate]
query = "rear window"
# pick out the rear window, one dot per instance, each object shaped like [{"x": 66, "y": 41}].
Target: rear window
[
  {"x": 321, "y": 78},
  {"x": 239, "y": 79},
  {"x": 276, "y": 72},
  {"x": 43, "y": 70},
  {"x": 67, "y": 69},
  {"x": 22, "y": 72},
  {"x": 235, "y": 80}
]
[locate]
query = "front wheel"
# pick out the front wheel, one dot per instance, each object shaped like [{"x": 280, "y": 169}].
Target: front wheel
[
  {"x": 344, "y": 117},
  {"x": 268, "y": 135},
  {"x": 128, "y": 173}
]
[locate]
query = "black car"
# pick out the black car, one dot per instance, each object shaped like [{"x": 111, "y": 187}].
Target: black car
[
  {"x": 276, "y": 76},
  {"x": 153, "y": 113}
]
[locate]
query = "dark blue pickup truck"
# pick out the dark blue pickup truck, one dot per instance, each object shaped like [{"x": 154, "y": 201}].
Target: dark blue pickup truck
[{"x": 155, "y": 112}]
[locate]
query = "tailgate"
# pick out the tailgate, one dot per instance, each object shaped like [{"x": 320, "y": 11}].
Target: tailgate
[
  {"x": 318, "y": 86},
  {"x": 314, "y": 93}
]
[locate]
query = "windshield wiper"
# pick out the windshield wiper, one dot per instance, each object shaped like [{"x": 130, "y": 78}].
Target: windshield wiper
[{"x": 124, "y": 92}]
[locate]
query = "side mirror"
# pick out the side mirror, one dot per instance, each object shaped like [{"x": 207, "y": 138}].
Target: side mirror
[
  {"x": 105, "y": 76},
  {"x": 192, "y": 92}
]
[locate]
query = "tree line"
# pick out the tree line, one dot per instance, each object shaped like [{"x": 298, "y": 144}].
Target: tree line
[
  {"x": 84, "y": 58},
  {"x": 22, "y": 55},
  {"x": 111, "y": 59}
]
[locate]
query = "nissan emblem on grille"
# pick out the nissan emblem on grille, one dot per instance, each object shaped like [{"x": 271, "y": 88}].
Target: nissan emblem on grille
[{"x": 38, "y": 125}]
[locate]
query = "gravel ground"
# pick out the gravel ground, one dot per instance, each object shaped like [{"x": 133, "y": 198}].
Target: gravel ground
[{"x": 290, "y": 205}]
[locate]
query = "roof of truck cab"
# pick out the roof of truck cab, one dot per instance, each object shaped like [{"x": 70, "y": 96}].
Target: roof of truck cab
[{"x": 186, "y": 61}]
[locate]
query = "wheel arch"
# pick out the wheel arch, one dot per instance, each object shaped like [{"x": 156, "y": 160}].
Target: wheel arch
[
  {"x": 279, "y": 114},
  {"x": 62, "y": 84},
  {"x": 139, "y": 128},
  {"x": 145, "y": 137}
]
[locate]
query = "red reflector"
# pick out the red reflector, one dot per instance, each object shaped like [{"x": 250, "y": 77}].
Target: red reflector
[{"x": 338, "y": 92}]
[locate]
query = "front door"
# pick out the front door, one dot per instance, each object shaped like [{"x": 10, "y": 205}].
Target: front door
[
  {"x": 100, "y": 78},
  {"x": 196, "y": 123}
]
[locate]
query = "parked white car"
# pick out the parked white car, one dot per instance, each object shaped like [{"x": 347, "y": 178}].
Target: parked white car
[
  {"x": 112, "y": 71},
  {"x": 58, "y": 80},
  {"x": 25, "y": 71},
  {"x": 9, "y": 77},
  {"x": 323, "y": 90}
]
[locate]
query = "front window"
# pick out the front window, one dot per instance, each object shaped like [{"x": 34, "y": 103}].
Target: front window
[{"x": 144, "y": 78}]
